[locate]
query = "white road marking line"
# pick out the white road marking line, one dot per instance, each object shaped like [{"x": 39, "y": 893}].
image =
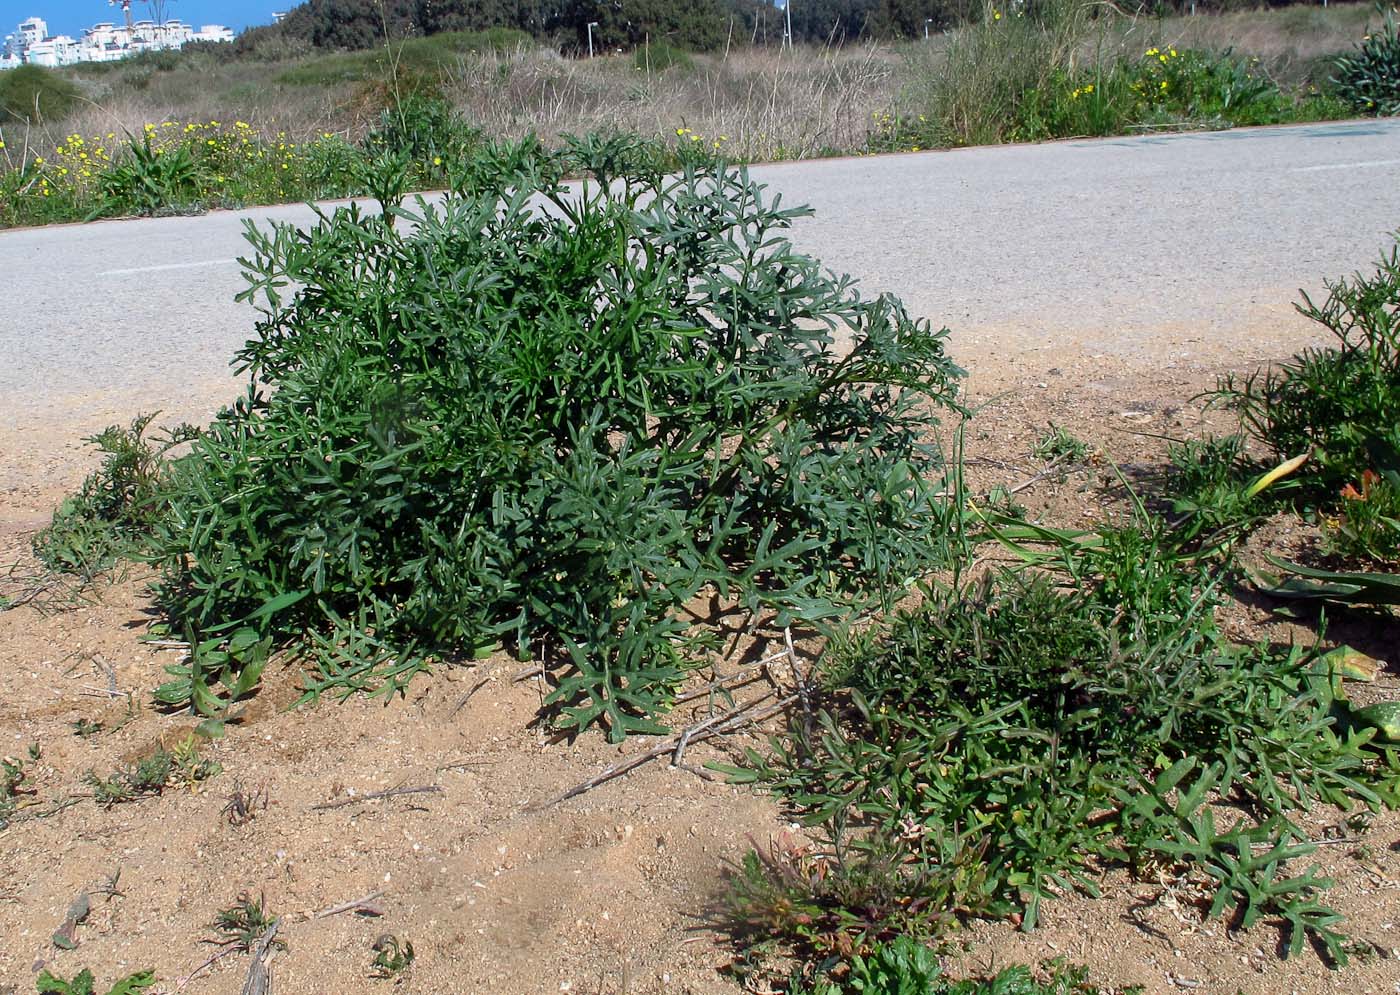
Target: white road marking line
[
  {"x": 1346, "y": 165},
  {"x": 160, "y": 269}
]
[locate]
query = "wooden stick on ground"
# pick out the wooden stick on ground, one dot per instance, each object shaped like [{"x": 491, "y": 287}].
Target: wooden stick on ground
[
  {"x": 462, "y": 702},
  {"x": 259, "y": 979},
  {"x": 365, "y": 905},
  {"x": 209, "y": 962},
  {"x": 714, "y": 726},
  {"x": 376, "y": 795}
]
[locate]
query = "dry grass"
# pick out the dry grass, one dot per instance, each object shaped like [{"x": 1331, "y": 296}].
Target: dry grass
[{"x": 769, "y": 103}]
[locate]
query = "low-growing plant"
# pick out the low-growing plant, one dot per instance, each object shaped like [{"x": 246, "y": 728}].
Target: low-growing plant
[
  {"x": 1058, "y": 444},
  {"x": 833, "y": 902},
  {"x": 82, "y": 983},
  {"x": 1369, "y": 80},
  {"x": 111, "y": 515},
  {"x": 14, "y": 783},
  {"x": 149, "y": 181},
  {"x": 553, "y": 429},
  {"x": 392, "y": 957},
  {"x": 1035, "y": 723},
  {"x": 1338, "y": 402},
  {"x": 904, "y": 966},
  {"x": 153, "y": 774},
  {"x": 243, "y": 923},
  {"x": 1367, "y": 525},
  {"x": 427, "y": 131}
]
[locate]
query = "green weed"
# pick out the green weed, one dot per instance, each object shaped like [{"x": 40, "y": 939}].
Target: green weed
[
  {"x": 111, "y": 516},
  {"x": 1338, "y": 402},
  {"x": 82, "y": 984},
  {"x": 392, "y": 957},
  {"x": 1057, "y": 444},
  {"x": 243, "y": 923},
  {"x": 153, "y": 774},
  {"x": 906, "y": 967}
]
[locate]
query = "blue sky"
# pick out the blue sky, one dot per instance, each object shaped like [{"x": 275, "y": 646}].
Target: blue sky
[{"x": 69, "y": 17}]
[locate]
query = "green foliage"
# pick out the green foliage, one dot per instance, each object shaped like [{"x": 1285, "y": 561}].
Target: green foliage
[
  {"x": 1057, "y": 444},
  {"x": 1368, "y": 525},
  {"x": 153, "y": 774},
  {"x": 657, "y": 57},
  {"x": 1339, "y": 402},
  {"x": 904, "y": 966},
  {"x": 832, "y": 904},
  {"x": 149, "y": 181},
  {"x": 1341, "y": 586},
  {"x": 243, "y": 923},
  {"x": 1051, "y": 70},
  {"x": 1036, "y": 725},
  {"x": 392, "y": 957},
  {"x": 1369, "y": 80},
  {"x": 35, "y": 95},
  {"x": 13, "y": 783},
  {"x": 554, "y": 429},
  {"x": 423, "y": 129},
  {"x": 111, "y": 515},
  {"x": 82, "y": 984}
]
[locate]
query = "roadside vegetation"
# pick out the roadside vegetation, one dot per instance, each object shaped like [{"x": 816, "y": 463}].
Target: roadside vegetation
[
  {"x": 627, "y": 424},
  {"x": 623, "y": 436},
  {"x": 181, "y": 132}
]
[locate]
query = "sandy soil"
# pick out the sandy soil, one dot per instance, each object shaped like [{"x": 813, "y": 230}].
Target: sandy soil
[{"x": 605, "y": 893}]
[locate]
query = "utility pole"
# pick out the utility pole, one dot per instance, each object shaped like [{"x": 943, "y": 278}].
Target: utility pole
[
  {"x": 591, "y": 26},
  {"x": 126, "y": 9},
  {"x": 787, "y": 30}
]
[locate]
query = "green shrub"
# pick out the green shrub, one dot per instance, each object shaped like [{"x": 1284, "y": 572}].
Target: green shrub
[
  {"x": 1051, "y": 731},
  {"x": 555, "y": 429},
  {"x": 657, "y": 57},
  {"x": 35, "y": 95},
  {"x": 149, "y": 181},
  {"x": 426, "y": 130},
  {"x": 1369, "y": 81},
  {"x": 1340, "y": 402}
]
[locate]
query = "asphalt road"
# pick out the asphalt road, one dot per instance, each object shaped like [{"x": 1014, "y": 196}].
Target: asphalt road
[{"x": 1189, "y": 247}]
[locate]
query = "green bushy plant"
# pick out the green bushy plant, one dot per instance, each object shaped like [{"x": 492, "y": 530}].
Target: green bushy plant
[
  {"x": 553, "y": 429},
  {"x": 112, "y": 513},
  {"x": 422, "y": 127},
  {"x": 1027, "y": 721},
  {"x": 1369, "y": 79},
  {"x": 149, "y": 181},
  {"x": 1339, "y": 402},
  {"x": 36, "y": 95}
]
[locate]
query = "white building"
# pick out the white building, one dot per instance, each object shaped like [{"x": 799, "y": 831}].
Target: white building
[
  {"x": 103, "y": 42},
  {"x": 32, "y": 31},
  {"x": 60, "y": 50}
]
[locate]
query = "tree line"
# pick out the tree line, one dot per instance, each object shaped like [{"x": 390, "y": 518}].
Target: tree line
[{"x": 699, "y": 25}]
